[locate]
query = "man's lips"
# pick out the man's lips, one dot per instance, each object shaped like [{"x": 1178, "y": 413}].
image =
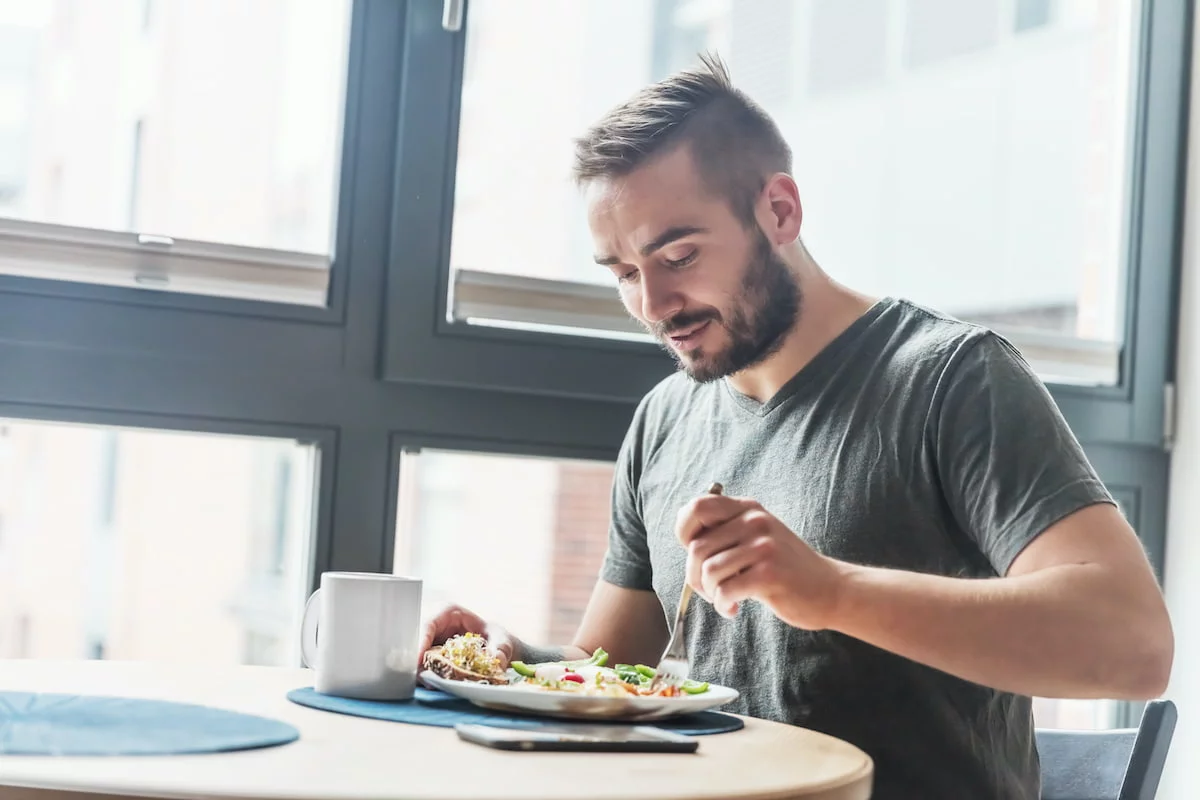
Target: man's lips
[{"x": 689, "y": 334}]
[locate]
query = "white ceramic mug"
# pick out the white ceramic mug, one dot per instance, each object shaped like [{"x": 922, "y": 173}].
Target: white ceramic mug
[{"x": 366, "y": 645}]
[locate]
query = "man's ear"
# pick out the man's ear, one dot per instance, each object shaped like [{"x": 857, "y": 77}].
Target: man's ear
[{"x": 780, "y": 213}]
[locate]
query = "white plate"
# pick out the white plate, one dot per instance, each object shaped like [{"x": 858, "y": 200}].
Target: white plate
[{"x": 567, "y": 705}]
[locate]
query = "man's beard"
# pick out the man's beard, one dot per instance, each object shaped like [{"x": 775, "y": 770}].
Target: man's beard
[{"x": 764, "y": 313}]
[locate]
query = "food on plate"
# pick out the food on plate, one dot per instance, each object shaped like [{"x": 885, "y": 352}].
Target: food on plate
[
  {"x": 640, "y": 674},
  {"x": 465, "y": 658},
  {"x": 595, "y": 679}
]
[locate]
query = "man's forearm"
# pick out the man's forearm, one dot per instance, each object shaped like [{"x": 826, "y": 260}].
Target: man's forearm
[
  {"x": 533, "y": 654},
  {"x": 1066, "y": 631}
]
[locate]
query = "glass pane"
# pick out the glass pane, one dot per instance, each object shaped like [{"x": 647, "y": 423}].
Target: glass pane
[
  {"x": 210, "y": 120},
  {"x": 516, "y": 539},
  {"x": 1080, "y": 715},
  {"x": 152, "y": 545},
  {"x": 972, "y": 157}
]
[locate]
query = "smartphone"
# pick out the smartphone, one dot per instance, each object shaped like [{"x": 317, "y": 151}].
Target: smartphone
[{"x": 577, "y": 738}]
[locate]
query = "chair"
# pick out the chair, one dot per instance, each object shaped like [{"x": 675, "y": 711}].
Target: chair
[{"x": 1123, "y": 764}]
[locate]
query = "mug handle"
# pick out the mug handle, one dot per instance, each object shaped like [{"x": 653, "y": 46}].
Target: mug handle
[{"x": 308, "y": 630}]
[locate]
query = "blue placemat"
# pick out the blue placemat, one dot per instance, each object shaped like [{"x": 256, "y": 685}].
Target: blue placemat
[
  {"x": 89, "y": 725},
  {"x": 443, "y": 710}
]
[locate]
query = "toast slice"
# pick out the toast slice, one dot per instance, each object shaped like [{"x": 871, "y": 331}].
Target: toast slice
[{"x": 437, "y": 662}]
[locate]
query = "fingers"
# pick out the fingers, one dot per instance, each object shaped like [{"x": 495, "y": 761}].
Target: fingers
[
  {"x": 692, "y": 575},
  {"x": 709, "y": 511},
  {"x": 427, "y": 634},
  {"x": 430, "y": 634},
  {"x": 718, "y": 574},
  {"x": 715, "y": 571},
  {"x": 713, "y": 541},
  {"x": 750, "y": 524},
  {"x": 500, "y": 643},
  {"x": 455, "y": 620},
  {"x": 736, "y": 588},
  {"x": 450, "y": 621}
]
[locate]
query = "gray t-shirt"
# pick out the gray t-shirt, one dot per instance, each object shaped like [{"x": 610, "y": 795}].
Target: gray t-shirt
[{"x": 914, "y": 442}]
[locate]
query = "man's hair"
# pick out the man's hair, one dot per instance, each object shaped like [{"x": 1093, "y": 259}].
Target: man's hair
[{"x": 735, "y": 144}]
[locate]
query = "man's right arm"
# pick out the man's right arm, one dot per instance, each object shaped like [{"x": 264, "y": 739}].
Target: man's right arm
[
  {"x": 623, "y": 615},
  {"x": 628, "y": 623}
]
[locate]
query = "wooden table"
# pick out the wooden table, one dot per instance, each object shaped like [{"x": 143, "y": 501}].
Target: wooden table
[{"x": 340, "y": 757}]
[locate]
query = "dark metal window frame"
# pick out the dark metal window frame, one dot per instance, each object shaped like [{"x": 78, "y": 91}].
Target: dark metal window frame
[{"x": 381, "y": 369}]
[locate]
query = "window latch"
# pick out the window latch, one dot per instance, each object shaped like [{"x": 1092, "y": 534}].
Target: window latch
[{"x": 452, "y": 15}]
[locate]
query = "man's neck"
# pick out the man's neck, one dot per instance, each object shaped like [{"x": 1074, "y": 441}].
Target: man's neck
[{"x": 827, "y": 310}]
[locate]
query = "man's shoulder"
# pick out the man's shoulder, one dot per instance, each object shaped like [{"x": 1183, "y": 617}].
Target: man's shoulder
[
  {"x": 916, "y": 344},
  {"x": 936, "y": 351},
  {"x": 929, "y": 336}
]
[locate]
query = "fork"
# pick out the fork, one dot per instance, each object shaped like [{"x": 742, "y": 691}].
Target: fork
[{"x": 673, "y": 668}]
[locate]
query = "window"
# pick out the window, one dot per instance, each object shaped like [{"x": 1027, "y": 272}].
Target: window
[
  {"x": 132, "y": 156},
  {"x": 693, "y": 27},
  {"x": 1080, "y": 715},
  {"x": 142, "y": 544},
  {"x": 1032, "y": 14},
  {"x": 518, "y": 539},
  {"x": 943, "y": 163},
  {"x": 847, "y": 44},
  {"x": 936, "y": 30},
  {"x": 16, "y": 64}
]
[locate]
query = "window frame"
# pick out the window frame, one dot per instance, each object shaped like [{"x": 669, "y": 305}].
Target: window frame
[
  {"x": 423, "y": 346},
  {"x": 332, "y": 312}
]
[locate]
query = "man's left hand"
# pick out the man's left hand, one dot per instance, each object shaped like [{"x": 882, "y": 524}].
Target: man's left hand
[{"x": 738, "y": 550}]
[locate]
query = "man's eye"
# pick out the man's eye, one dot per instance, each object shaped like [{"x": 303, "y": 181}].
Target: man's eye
[
  {"x": 628, "y": 277},
  {"x": 681, "y": 262}
]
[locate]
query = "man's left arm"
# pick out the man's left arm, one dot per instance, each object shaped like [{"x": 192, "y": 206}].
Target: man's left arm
[
  {"x": 1075, "y": 610},
  {"x": 1079, "y": 614}
]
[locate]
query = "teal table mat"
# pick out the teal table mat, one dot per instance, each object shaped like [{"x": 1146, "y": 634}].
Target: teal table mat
[
  {"x": 429, "y": 707},
  {"x": 89, "y": 725}
]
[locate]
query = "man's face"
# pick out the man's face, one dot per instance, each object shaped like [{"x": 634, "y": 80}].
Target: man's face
[{"x": 717, "y": 296}]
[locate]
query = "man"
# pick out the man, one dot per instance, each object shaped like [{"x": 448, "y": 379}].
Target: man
[{"x": 912, "y": 543}]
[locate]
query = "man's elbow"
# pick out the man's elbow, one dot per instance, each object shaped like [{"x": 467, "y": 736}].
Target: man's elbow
[{"x": 1151, "y": 654}]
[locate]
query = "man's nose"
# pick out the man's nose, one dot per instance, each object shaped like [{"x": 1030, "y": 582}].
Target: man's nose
[{"x": 660, "y": 299}]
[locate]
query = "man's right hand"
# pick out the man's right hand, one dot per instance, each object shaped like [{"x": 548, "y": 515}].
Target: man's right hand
[
  {"x": 454, "y": 620},
  {"x": 628, "y": 623}
]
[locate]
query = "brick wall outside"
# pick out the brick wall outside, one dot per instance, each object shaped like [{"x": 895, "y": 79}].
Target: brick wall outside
[{"x": 581, "y": 516}]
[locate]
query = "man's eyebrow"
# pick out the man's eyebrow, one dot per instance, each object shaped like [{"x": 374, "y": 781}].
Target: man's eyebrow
[
  {"x": 659, "y": 242},
  {"x": 671, "y": 235}
]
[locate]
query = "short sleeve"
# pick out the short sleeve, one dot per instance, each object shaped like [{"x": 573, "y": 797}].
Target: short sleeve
[
  {"x": 1009, "y": 465},
  {"x": 627, "y": 559}
]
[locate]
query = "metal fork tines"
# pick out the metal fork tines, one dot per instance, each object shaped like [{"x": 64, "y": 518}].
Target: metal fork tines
[{"x": 674, "y": 667}]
